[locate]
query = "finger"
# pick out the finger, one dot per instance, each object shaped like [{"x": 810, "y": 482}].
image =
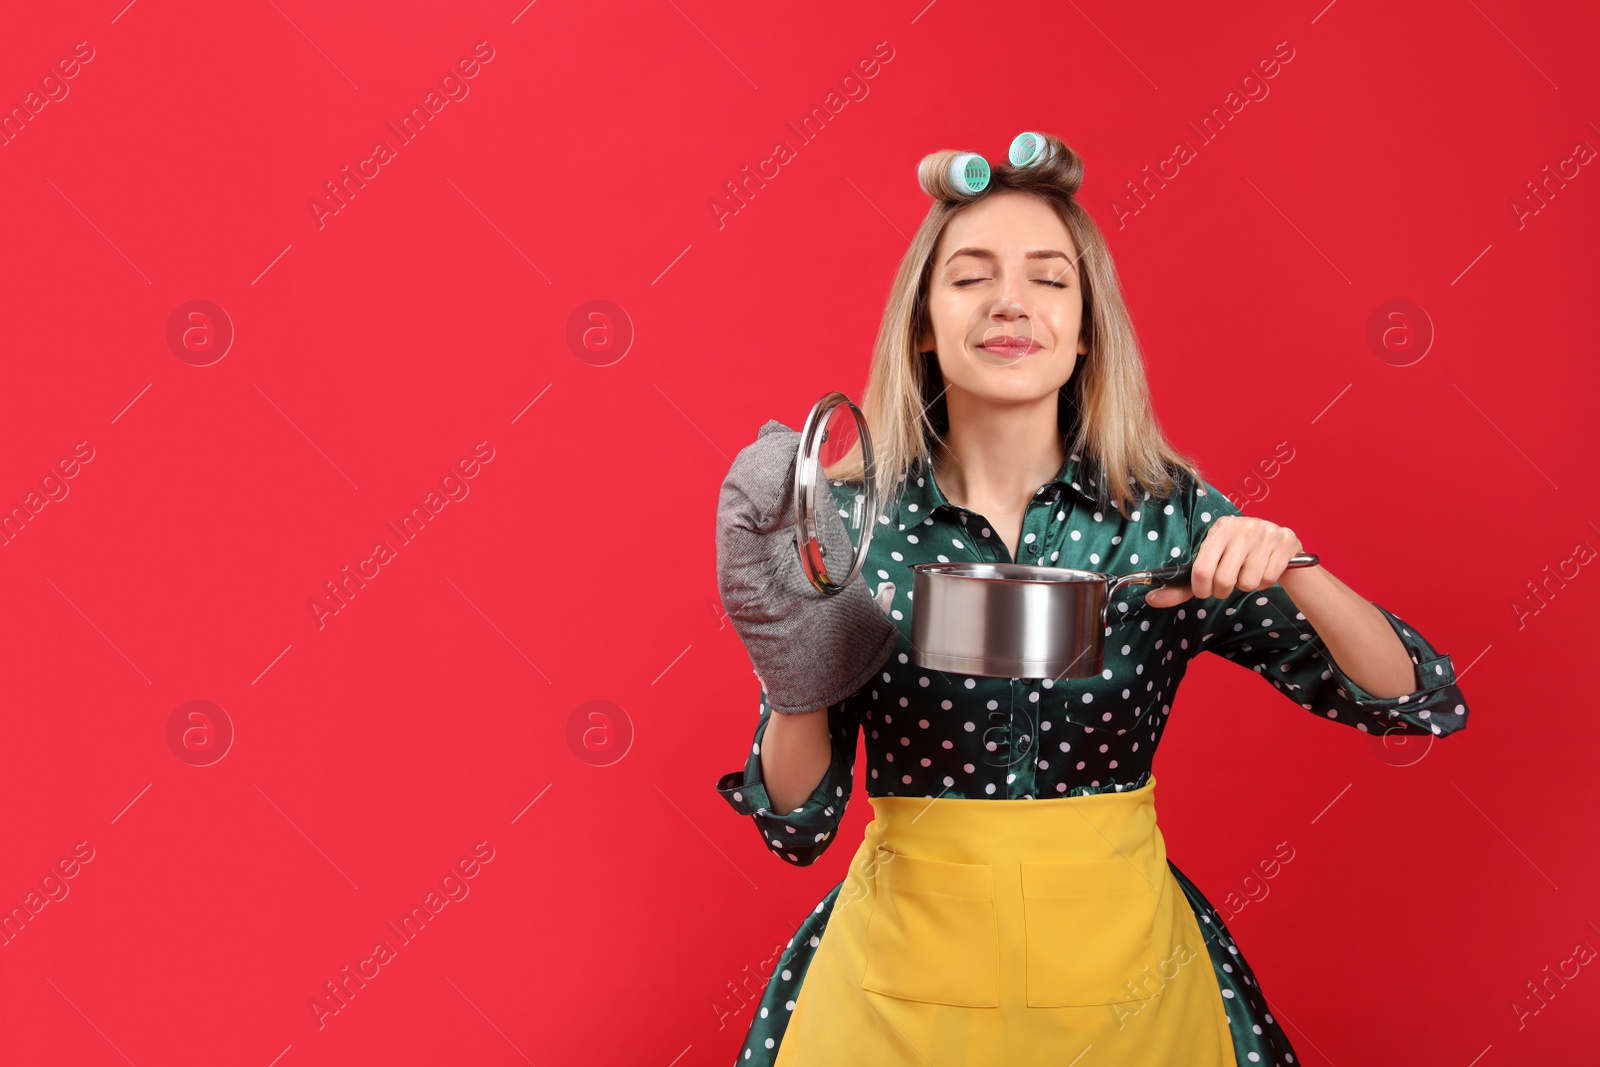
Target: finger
[
  {"x": 1225, "y": 579},
  {"x": 1281, "y": 555},
  {"x": 1168, "y": 595},
  {"x": 1266, "y": 562},
  {"x": 1202, "y": 571},
  {"x": 1254, "y": 567}
]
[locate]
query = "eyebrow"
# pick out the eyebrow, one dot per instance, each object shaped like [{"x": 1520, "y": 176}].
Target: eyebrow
[{"x": 1043, "y": 253}]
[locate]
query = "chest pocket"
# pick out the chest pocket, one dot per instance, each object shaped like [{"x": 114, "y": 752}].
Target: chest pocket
[
  {"x": 934, "y": 934},
  {"x": 1089, "y": 933}
]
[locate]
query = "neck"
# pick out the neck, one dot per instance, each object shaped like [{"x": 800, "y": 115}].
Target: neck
[{"x": 997, "y": 454}]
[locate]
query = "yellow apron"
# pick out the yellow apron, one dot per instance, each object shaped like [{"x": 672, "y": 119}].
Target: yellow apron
[{"x": 1014, "y": 932}]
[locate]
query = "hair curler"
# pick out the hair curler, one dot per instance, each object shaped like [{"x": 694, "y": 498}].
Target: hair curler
[
  {"x": 968, "y": 174},
  {"x": 1030, "y": 149}
]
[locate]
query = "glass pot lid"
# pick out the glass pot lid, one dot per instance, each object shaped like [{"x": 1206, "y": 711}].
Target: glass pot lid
[{"x": 835, "y": 493}]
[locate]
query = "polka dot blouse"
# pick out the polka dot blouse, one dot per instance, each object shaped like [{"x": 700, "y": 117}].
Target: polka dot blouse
[{"x": 937, "y": 734}]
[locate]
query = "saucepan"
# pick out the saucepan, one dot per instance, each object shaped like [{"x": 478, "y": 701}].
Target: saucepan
[
  {"x": 997, "y": 620},
  {"x": 1019, "y": 620}
]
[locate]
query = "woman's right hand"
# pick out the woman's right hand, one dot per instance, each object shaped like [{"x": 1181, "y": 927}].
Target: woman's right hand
[{"x": 810, "y": 649}]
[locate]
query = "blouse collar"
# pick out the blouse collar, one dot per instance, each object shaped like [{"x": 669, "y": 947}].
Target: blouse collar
[{"x": 922, "y": 496}]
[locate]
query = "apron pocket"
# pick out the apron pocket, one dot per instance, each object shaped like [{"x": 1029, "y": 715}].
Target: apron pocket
[
  {"x": 933, "y": 935},
  {"x": 1088, "y": 934}
]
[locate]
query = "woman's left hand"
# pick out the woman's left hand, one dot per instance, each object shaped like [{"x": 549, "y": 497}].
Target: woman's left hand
[{"x": 1239, "y": 552}]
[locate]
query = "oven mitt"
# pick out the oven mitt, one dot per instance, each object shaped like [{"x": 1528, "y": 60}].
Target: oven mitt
[{"x": 809, "y": 649}]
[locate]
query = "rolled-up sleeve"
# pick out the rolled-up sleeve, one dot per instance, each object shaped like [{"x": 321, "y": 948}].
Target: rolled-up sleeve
[
  {"x": 1264, "y": 631},
  {"x": 799, "y": 836}
]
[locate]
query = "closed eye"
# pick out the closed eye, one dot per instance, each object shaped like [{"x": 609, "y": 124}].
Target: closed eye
[{"x": 1041, "y": 281}]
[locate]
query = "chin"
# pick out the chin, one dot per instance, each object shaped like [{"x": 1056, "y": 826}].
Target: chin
[{"x": 1010, "y": 385}]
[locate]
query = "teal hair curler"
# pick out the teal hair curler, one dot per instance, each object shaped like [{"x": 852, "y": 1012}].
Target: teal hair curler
[
  {"x": 969, "y": 173},
  {"x": 1030, "y": 149}
]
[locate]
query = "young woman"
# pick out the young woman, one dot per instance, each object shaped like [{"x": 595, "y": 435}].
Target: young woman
[{"x": 1011, "y": 901}]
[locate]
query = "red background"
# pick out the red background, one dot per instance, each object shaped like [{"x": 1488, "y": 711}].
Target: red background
[{"x": 627, "y": 914}]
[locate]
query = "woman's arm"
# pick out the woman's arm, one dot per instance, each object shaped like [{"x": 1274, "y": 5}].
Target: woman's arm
[
  {"x": 795, "y": 754},
  {"x": 797, "y": 822},
  {"x": 1356, "y": 634},
  {"x": 1314, "y": 638}
]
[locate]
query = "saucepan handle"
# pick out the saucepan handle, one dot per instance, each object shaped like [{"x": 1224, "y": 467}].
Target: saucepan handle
[{"x": 1176, "y": 574}]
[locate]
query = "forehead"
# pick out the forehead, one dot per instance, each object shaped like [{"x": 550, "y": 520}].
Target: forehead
[{"x": 1005, "y": 222}]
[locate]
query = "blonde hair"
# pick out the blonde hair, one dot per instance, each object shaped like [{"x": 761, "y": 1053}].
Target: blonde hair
[{"x": 1104, "y": 411}]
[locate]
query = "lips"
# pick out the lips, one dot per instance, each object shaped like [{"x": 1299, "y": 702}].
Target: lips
[{"x": 1010, "y": 346}]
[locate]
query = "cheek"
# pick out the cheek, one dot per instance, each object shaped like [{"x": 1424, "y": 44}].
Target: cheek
[
  {"x": 946, "y": 318},
  {"x": 1068, "y": 319}
]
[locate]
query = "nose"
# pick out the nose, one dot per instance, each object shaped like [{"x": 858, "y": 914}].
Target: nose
[
  {"x": 1008, "y": 303},
  {"x": 1006, "y": 308},
  {"x": 1006, "y": 315}
]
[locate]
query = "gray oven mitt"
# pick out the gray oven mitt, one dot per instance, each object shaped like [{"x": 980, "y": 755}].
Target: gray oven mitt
[{"x": 810, "y": 649}]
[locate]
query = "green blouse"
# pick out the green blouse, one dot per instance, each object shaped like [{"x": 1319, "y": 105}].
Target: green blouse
[
  {"x": 930, "y": 733},
  {"x": 937, "y": 734}
]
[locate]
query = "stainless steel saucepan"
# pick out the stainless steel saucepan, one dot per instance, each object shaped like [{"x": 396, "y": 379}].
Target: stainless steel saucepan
[
  {"x": 1018, "y": 620},
  {"x": 997, "y": 620}
]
